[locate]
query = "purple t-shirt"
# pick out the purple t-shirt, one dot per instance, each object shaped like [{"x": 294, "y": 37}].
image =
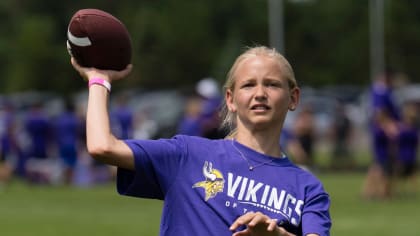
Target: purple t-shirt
[
  {"x": 124, "y": 120},
  {"x": 206, "y": 185},
  {"x": 38, "y": 128},
  {"x": 382, "y": 99},
  {"x": 408, "y": 140},
  {"x": 382, "y": 145},
  {"x": 190, "y": 126},
  {"x": 66, "y": 128}
]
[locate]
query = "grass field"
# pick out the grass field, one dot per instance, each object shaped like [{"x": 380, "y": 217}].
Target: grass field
[{"x": 50, "y": 211}]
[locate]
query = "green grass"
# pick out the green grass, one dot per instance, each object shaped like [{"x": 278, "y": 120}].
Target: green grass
[
  {"x": 50, "y": 211},
  {"x": 353, "y": 216}
]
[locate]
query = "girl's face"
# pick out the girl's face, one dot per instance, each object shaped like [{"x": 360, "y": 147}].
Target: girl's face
[{"x": 261, "y": 97}]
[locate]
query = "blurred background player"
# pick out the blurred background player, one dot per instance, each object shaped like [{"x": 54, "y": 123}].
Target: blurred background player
[
  {"x": 38, "y": 129},
  {"x": 304, "y": 132},
  {"x": 384, "y": 133},
  {"x": 408, "y": 142},
  {"x": 294, "y": 148},
  {"x": 201, "y": 112},
  {"x": 341, "y": 134},
  {"x": 67, "y": 127},
  {"x": 190, "y": 122},
  {"x": 209, "y": 89},
  {"x": 10, "y": 152},
  {"x": 122, "y": 117}
]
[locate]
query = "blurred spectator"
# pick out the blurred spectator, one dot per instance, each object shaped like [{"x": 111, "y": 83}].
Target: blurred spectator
[
  {"x": 145, "y": 127},
  {"x": 384, "y": 130},
  {"x": 122, "y": 116},
  {"x": 9, "y": 148},
  {"x": 5, "y": 173},
  {"x": 190, "y": 122},
  {"x": 37, "y": 127},
  {"x": 201, "y": 113},
  {"x": 408, "y": 141},
  {"x": 67, "y": 127},
  {"x": 210, "y": 121},
  {"x": 291, "y": 145},
  {"x": 340, "y": 135},
  {"x": 304, "y": 131}
]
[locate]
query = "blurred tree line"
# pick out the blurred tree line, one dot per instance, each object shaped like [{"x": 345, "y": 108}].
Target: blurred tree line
[{"x": 176, "y": 43}]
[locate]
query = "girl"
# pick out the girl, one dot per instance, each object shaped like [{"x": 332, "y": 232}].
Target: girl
[{"x": 241, "y": 185}]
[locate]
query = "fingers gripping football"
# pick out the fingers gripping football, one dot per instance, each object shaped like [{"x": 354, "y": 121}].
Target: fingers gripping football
[{"x": 257, "y": 224}]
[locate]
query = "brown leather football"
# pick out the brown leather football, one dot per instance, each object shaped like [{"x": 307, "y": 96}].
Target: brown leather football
[{"x": 98, "y": 39}]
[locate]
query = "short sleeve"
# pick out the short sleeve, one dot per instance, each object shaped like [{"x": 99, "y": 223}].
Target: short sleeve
[
  {"x": 316, "y": 217},
  {"x": 157, "y": 163}
]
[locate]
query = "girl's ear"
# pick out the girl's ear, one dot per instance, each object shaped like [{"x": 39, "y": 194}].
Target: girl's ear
[
  {"x": 294, "y": 98},
  {"x": 229, "y": 101}
]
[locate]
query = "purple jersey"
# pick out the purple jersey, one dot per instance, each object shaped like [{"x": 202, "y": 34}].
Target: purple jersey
[
  {"x": 67, "y": 127},
  {"x": 382, "y": 99},
  {"x": 408, "y": 140},
  {"x": 207, "y": 185},
  {"x": 124, "y": 119},
  {"x": 38, "y": 128},
  {"x": 190, "y": 126},
  {"x": 382, "y": 145},
  {"x": 6, "y": 134}
]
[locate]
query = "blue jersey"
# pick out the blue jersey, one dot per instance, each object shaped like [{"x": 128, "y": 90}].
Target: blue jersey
[{"x": 207, "y": 184}]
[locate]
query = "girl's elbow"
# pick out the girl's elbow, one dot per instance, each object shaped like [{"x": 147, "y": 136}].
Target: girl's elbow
[{"x": 98, "y": 151}]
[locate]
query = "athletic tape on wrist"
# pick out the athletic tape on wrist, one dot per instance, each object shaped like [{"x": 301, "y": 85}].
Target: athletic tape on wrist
[{"x": 100, "y": 81}]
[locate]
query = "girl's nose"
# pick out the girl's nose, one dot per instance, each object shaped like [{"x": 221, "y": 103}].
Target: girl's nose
[{"x": 260, "y": 92}]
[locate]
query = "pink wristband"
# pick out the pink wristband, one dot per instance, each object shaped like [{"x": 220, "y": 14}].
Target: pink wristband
[{"x": 100, "y": 81}]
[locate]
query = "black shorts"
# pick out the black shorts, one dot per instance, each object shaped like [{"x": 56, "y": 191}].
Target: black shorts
[
  {"x": 386, "y": 166},
  {"x": 406, "y": 169}
]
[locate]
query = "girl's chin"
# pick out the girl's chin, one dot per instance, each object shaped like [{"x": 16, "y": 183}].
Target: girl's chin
[{"x": 263, "y": 124}]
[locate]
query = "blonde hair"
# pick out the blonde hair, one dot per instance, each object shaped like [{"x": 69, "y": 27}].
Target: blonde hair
[{"x": 228, "y": 117}]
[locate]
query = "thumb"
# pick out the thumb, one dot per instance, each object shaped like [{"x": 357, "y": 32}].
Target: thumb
[
  {"x": 116, "y": 75},
  {"x": 78, "y": 68}
]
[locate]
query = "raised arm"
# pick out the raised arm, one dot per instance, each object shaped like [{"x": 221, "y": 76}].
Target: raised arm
[{"x": 101, "y": 143}]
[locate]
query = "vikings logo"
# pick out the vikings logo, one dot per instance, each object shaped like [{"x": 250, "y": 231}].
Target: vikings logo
[{"x": 214, "y": 181}]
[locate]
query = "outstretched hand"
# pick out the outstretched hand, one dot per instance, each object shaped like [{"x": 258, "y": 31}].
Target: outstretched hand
[
  {"x": 109, "y": 75},
  {"x": 258, "y": 224}
]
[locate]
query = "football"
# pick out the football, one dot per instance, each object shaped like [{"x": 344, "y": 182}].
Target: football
[{"x": 98, "y": 39}]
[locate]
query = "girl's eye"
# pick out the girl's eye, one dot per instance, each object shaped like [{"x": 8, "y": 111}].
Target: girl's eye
[
  {"x": 274, "y": 84},
  {"x": 247, "y": 85}
]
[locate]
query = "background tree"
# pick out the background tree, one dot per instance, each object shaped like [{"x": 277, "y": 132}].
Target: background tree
[{"x": 176, "y": 43}]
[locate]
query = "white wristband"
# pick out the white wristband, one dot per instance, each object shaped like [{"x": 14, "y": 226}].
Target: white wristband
[{"x": 100, "y": 81}]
